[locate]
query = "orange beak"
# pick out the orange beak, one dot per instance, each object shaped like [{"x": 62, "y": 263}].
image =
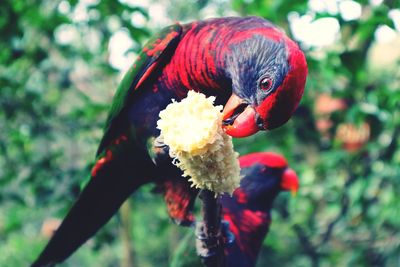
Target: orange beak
[
  {"x": 238, "y": 118},
  {"x": 290, "y": 181}
]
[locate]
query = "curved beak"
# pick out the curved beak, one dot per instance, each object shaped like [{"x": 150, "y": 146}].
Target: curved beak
[
  {"x": 239, "y": 119},
  {"x": 290, "y": 181}
]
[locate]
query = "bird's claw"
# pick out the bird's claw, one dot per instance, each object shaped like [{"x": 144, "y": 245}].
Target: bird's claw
[
  {"x": 158, "y": 150},
  {"x": 206, "y": 246},
  {"x": 159, "y": 142}
]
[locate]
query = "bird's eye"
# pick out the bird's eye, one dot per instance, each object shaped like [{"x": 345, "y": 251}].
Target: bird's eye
[{"x": 265, "y": 84}]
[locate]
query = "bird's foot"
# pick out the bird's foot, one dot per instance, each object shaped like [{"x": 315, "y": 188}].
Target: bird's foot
[
  {"x": 158, "y": 150},
  {"x": 207, "y": 245}
]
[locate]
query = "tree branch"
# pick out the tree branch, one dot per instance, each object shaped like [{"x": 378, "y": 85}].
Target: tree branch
[{"x": 209, "y": 243}]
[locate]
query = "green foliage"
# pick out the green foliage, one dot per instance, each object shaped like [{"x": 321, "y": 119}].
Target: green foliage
[
  {"x": 55, "y": 93},
  {"x": 51, "y": 115}
]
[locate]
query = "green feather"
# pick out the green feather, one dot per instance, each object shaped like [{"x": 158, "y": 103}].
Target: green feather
[{"x": 143, "y": 67}]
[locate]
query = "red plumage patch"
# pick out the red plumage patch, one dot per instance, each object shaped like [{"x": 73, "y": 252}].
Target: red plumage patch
[
  {"x": 159, "y": 45},
  {"x": 269, "y": 33},
  {"x": 247, "y": 226},
  {"x": 269, "y": 159},
  {"x": 154, "y": 50},
  {"x": 240, "y": 196},
  {"x": 101, "y": 162},
  {"x": 145, "y": 75},
  {"x": 120, "y": 139},
  {"x": 179, "y": 199},
  {"x": 109, "y": 154}
]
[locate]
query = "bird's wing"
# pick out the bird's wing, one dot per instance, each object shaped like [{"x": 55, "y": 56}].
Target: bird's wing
[
  {"x": 115, "y": 176},
  {"x": 121, "y": 167},
  {"x": 179, "y": 197},
  {"x": 154, "y": 55}
]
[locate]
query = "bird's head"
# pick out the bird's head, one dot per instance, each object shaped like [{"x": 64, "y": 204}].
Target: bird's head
[
  {"x": 265, "y": 175},
  {"x": 268, "y": 73}
]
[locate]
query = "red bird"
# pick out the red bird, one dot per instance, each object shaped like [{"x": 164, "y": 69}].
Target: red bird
[
  {"x": 248, "y": 212},
  {"x": 252, "y": 68}
]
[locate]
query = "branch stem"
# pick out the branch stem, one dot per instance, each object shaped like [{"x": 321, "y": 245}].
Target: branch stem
[{"x": 210, "y": 245}]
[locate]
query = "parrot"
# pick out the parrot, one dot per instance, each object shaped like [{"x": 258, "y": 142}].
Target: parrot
[
  {"x": 248, "y": 64},
  {"x": 246, "y": 214}
]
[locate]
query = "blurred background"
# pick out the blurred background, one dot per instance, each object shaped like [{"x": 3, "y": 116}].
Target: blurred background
[{"x": 61, "y": 61}]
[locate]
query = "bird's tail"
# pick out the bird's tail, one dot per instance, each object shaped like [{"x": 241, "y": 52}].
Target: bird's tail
[{"x": 118, "y": 172}]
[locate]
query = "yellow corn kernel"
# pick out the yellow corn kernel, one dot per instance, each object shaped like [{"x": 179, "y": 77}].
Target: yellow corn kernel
[{"x": 192, "y": 130}]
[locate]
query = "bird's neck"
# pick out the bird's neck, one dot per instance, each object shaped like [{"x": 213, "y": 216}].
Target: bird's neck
[{"x": 198, "y": 63}]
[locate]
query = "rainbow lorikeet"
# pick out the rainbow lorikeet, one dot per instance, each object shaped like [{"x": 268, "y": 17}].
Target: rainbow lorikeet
[
  {"x": 249, "y": 65},
  {"x": 247, "y": 214}
]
